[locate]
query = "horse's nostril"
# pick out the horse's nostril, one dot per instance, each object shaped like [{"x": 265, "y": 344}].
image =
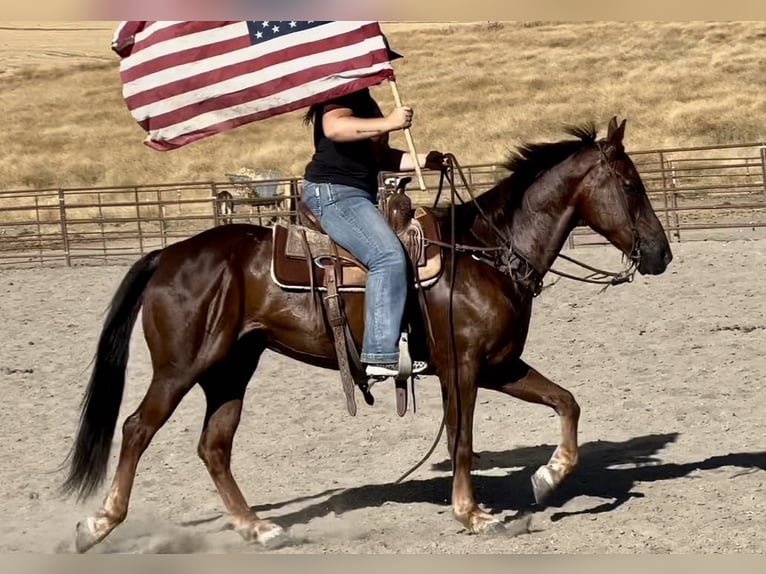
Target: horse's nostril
[{"x": 667, "y": 256}]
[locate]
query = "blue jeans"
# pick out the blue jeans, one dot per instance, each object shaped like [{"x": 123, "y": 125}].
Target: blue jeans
[{"x": 351, "y": 218}]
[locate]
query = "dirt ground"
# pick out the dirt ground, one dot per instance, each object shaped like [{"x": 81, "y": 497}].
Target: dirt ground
[{"x": 669, "y": 372}]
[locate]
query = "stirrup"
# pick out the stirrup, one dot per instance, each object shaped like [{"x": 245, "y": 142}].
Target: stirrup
[
  {"x": 406, "y": 367},
  {"x": 391, "y": 370}
]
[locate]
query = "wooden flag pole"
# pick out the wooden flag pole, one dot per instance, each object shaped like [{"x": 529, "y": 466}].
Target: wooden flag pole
[{"x": 408, "y": 136}]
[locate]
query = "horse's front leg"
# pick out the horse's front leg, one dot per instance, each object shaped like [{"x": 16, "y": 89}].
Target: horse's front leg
[
  {"x": 522, "y": 381},
  {"x": 460, "y": 405}
]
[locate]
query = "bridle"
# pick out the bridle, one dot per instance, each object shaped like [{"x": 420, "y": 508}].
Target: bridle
[{"x": 505, "y": 256}]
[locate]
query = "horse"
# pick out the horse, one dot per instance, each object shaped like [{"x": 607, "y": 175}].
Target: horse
[
  {"x": 211, "y": 307},
  {"x": 224, "y": 206}
]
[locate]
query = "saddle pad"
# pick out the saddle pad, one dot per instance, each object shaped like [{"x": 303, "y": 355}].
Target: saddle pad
[
  {"x": 291, "y": 269},
  {"x": 319, "y": 243}
]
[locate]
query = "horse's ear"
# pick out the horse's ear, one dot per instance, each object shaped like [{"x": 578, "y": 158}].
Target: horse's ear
[
  {"x": 612, "y": 127},
  {"x": 615, "y": 135}
]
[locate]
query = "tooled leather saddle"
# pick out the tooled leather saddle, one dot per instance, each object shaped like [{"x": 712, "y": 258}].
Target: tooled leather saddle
[{"x": 304, "y": 258}]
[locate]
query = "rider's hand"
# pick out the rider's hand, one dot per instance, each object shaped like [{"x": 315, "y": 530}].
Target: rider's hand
[
  {"x": 435, "y": 160},
  {"x": 400, "y": 118}
]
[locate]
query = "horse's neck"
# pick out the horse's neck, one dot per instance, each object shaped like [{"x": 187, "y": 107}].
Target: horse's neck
[
  {"x": 540, "y": 234},
  {"x": 544, "y": 217}
]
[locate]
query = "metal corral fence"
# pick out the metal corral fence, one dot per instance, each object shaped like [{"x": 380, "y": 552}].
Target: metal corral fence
[
  {"x": 703, "y": 193},
  {"x": 715, "y": 192}
]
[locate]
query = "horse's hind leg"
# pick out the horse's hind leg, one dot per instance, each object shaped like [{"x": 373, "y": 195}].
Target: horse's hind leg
[
  {"x": 524, "y": 382},
  {"x": 163, "y": 396},
  {"x": 224, "y": 387},
  {"x": 460, "y": 404}
]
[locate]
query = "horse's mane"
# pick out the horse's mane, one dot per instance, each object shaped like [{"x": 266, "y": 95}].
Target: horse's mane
[
  {"x": 526, "y": 164},
  {"x": 532, "y": 159}
]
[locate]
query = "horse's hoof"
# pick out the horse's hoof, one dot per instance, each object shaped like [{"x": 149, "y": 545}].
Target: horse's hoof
[
  {"x": 483, "y": 523},
  {"x": 520, "y": 525},
  {"x": 85, "y": 536},
  {"x": 492, "y": 527},
  {"x": 275, "y": 537},
  {"x": 543, "y": 485}
]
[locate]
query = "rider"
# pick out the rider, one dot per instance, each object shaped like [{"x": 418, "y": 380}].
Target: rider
[{"x": 340, "y": 187}]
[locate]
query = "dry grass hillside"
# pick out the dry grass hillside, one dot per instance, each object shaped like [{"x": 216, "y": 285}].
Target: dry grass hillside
[{"x": 477, "y": 88}]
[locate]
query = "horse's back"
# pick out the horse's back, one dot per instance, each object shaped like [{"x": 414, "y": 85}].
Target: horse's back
[
  {"x": 237, "y": 245},
  {"x": 222, "y": 238}
]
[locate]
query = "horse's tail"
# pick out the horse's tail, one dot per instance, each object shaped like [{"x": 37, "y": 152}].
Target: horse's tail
[{"x": 100, "y": 407}]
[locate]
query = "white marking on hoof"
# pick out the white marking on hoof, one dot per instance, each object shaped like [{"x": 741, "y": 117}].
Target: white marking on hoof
[
  {"x": 543, "y": 484},
  {"x": 275, "y": 537},
  {"x": 85, "y": 535},
  {"x": 545, "y": 474}
]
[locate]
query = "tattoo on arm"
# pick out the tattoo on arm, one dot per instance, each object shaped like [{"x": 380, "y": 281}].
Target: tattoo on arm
[{"x": 369, "y": 131}]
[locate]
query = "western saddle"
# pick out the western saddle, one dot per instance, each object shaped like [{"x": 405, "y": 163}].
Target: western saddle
[{"x": 305, "y": 258}]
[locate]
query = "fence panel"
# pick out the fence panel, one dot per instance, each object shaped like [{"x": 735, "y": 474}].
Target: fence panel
[{"x": 715, "y": 192}]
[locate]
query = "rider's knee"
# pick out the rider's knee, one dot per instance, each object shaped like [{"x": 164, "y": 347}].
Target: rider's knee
[{"x": 392, "y": 257}]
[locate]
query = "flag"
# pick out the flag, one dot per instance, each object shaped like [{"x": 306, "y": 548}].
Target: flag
[{"x": 184, "y": 81}]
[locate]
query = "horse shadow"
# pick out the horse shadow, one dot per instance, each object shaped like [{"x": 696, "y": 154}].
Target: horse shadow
[{"x": 607, "y": 470}]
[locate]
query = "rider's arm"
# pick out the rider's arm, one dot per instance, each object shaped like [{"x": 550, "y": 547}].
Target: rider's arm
[
  {"x": 406, "y": 163},
  {"x": 340, "y": 124},
  {"x": 392, "y": 159}
]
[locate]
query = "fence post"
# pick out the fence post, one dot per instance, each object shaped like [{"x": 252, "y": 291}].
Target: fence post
[
  {"x": 291, "y": 202},
  {"x": 138, "y": 222},
  {"x": 161, "y": 216},
  {"x": 64, "y": 233},
  {"x": 39, "y": 229},
  {"x": 214, "y": 191},
  {"x": 673, "y": 186},
  {"x": 665, "y": 196},
  {"x": 101, "y": 226},
  {"x": 763, "y": 166}
]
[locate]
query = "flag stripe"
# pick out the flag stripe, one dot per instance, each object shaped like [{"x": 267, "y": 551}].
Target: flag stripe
[
  {"x": 248, "y": 94},
  {"x": 199, "y": 39},
  {"x": 165, "y": 140},
  {"x": 124, "y": 36},
  {"x": 219, "y": 31},
  {"x": 183, "y": 81},
  {"x": 237, "y": 41},
  {"x": 222, "y": 80},
  {"x": 165, "y": 64},
  {"x": 166, "y": 31}
]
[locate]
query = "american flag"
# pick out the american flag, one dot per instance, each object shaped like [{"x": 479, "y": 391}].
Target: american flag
[{"x": 183, "y": 81}]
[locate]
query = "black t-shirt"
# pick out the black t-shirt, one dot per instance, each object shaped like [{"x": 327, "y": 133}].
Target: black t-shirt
[{"x": 349, "y": 163}]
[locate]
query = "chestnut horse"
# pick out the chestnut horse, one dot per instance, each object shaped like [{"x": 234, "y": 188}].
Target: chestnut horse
[{"x": 211, "y": 307}]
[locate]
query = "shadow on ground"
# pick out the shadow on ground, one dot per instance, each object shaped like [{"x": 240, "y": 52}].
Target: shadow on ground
[{"x": 607, "y": 470}]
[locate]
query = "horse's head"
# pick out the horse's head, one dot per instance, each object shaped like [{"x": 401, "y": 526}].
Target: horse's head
[{"x": 612, "y": 201}]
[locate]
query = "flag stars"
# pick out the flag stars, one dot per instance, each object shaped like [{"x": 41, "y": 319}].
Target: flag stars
[{"x": 261, "y": 31}]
